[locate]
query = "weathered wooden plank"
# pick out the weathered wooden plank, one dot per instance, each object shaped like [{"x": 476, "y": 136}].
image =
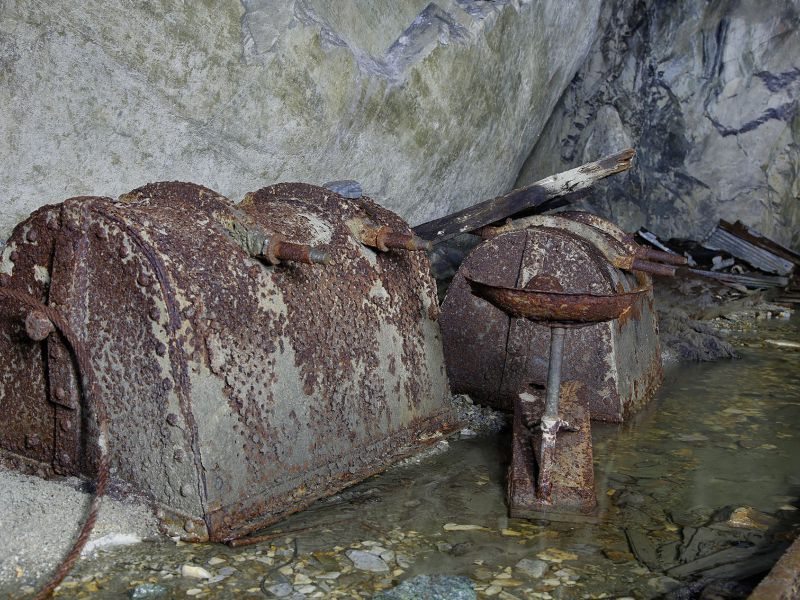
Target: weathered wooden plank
[{"x": 521, "y": 199}]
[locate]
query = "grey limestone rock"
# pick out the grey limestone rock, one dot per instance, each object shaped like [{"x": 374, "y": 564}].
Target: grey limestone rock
[{"x": 707, "y": 92}]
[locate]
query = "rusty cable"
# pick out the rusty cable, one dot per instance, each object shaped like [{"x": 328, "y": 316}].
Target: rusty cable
[{"x": 88, "y": 383}]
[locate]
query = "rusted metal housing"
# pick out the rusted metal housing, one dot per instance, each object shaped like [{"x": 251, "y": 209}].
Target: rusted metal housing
[
  {"x": 493, "y": 357},
  {"x": 237, "y": 391}
]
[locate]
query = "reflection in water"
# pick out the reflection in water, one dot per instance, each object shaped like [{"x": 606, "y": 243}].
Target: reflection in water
[{"x": 703, "y": 484}]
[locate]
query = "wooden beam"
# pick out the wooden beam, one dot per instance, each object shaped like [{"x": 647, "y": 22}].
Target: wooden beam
[{"x": 536, "y": 194}]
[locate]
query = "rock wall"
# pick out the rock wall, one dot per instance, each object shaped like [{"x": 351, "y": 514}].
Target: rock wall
[
  {"x": 707, "y": 91},
  {"x": 431, "y": 105}
]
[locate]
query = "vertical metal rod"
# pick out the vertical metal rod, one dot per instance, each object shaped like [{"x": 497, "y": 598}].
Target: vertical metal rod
[{"x": 554, "y": 372}]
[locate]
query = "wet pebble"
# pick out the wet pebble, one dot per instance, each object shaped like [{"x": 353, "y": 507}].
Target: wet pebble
[
  {"x": 195, "y": 572},
  {"x": 366, "y": 561},
  {"x": 147, "y": 590},
  {"x": 531, "y": 567},
  {"x": 431, "y": 587}
]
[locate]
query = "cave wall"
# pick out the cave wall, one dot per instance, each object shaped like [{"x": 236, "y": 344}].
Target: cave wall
[
  {"x": 707, "y": 91},
  {"x": 431, "y": 105}
]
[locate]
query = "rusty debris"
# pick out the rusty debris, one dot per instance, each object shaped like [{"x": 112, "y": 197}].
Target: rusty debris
[
  {"x": 255, "y": 357},
  {"x": 563, "y": 287}
]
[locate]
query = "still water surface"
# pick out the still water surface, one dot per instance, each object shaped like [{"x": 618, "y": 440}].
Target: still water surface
[{"x": 718, "y": 437}]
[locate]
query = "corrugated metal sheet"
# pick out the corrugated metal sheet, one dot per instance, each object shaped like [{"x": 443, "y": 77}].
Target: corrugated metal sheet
[
  {"x": 743, "y": 250},
  {"x": 751, "y": 281}
]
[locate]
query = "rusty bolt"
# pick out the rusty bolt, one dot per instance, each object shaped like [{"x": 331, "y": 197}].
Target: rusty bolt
[
  {"x": 32, "y": 235},
  {"x": 143, "y": 280},
  {"x": 61, "y": 394},
  {"x": 101, "y": 233},
  {"x": 14, "y": 256},
  {"x": 123, "y": 251},
  {"x": 32, "y": 440},
  {"x": 276, "y": 249},
  {"x": 172, "y": 419},
  {"x": 38, "y": 326}
]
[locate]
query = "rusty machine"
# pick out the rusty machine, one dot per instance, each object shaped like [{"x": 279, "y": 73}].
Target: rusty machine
[
  {"x": 540, "y": 291},
  {"x": 246, "y": 359}
]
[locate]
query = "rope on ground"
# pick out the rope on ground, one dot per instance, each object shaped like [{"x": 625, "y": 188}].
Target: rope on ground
[{"x": 88, "y": 383}]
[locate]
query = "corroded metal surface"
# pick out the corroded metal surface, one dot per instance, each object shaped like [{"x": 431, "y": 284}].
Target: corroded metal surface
[
  {"x": 239, "y": 391},
  {"x": 492, "y": 356}
]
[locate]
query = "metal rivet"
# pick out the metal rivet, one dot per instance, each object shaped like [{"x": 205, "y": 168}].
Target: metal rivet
[
  {"x": 32, "y": 235},
  {"x": 172, "y": 419},
  {"x": 154, "y": 313},
  {"x": 161, "y": 348},
  {"x": 38, "y": 326},
  {"x": 143, "y": 279},
  {"x": 101, "y": 233},
  {"x": 14, "y": 256},
  {"x": 123, "y": 251},
  {"x": 61, "y": 394}
]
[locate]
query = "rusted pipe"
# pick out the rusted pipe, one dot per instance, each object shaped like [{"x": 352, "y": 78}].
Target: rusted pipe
[
  {"x": 659, "y": 256},
  {"x": 554, "y": 372},
  {"x": 275, "y": 249},
  {"x": 651, "y": 267},
  {"x": 383, "y": 237},
  {"x": 389, "y": 238}
]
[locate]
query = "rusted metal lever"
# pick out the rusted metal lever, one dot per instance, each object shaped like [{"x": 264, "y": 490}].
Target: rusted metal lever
[
  {"x": 272, "y": 247},
  {"x": 383, "y": 237},
  {"x": 275, "y": 248},
  {"x": 550, "y": 424},
  {"x": 662, "y": 257}
]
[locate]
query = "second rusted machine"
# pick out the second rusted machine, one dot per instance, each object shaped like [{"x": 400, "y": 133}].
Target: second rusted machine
[{"x": 508, "y": 309}]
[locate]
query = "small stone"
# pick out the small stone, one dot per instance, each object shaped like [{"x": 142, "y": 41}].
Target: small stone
[
  {"x": 194, "y": 591},
  {"x": 329, "y": 575},
  {"x": 531, "y": 567},
  {"x": 511, "y": 532},
  {"x": 467, "y": 527},
  {"x": 387, "y": 555},
  {"x": 402, "y": 560},
  {"x": 349, "y": 188},
  {"x": 301, "y": 579},
  {"x": 307, "y": 589},
  {"x": 431, "y": 587},
  {"x": 279, "y": 590},
  {"x": 556, "y": 555},
  {"x": 746, "y": 517},
  {"x": 551, "y": 582},
  {"x": 492, "y": 590},
  {"x": 618, "y": 555},
  {"x": 216, "y": 560},
  {"x": 195, "y": 572},
  {"x": 366, "y": 561},
  {"x": 147, "y": 590}
]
